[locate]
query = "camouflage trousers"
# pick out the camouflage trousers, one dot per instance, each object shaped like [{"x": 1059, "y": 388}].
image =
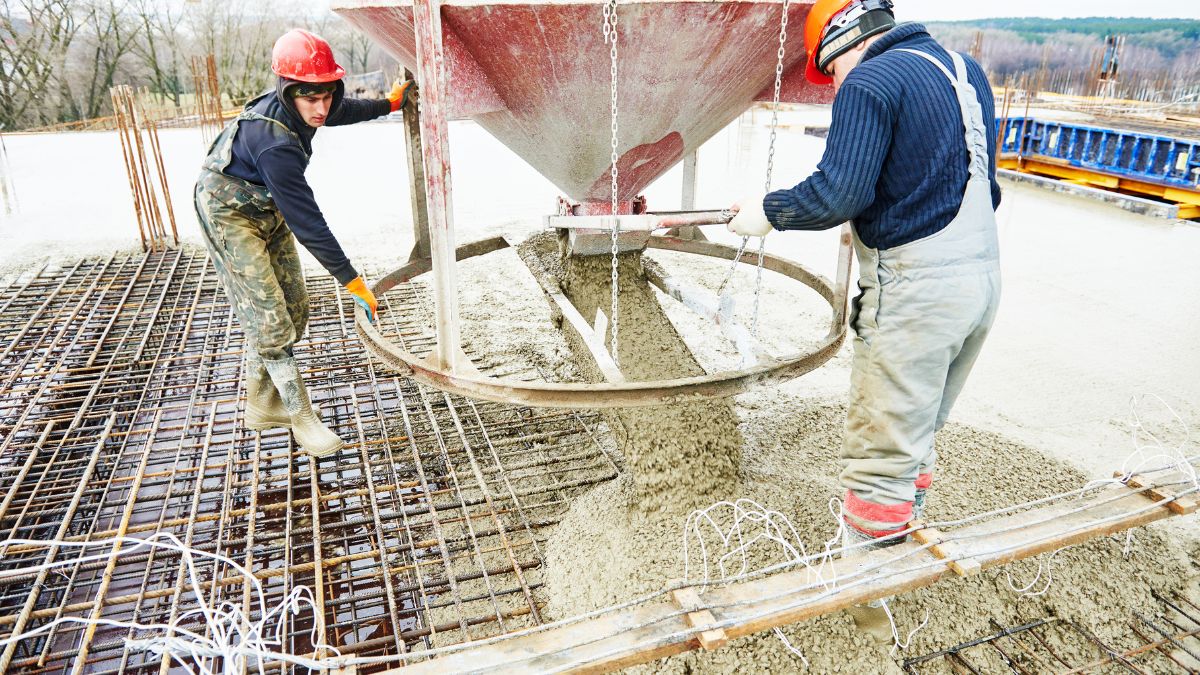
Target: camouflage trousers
[{"x": 254, "y": 254}]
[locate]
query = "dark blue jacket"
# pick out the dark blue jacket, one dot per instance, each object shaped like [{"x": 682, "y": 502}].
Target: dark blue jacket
[
  {"x": 264, "y": 157},
  {"x": 896, "y": 160}
]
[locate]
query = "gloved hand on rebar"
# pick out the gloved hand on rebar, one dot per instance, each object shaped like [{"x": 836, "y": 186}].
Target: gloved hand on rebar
[
  {"x": 402, "y": 94},
  {"x": 363, "y": 296},
  {"x": 750, "y": 219}
]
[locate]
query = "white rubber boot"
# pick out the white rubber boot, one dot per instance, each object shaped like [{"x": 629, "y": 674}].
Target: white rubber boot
[
  {"x": 264, "y": 406},
  {"x": 310, "y": 432}
]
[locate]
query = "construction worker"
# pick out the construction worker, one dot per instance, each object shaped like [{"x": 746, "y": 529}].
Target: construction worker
[
  {"x": 911, "y": 161},
  {"x": 252, "y": 199}
]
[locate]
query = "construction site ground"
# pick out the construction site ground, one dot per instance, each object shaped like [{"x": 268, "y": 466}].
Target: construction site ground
[{"x": 1098, "y": 304}]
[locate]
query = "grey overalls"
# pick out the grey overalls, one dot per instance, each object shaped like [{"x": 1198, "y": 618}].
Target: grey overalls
[
  {"x": 252, "y": 249},
  {"x": 924, "y": 311}
]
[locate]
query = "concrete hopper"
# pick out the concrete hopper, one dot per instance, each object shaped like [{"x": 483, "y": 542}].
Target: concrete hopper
[{"x": 536, "y": 76}]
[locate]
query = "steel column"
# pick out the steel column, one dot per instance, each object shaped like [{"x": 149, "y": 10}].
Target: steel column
[{"x": 427, "y": 19}]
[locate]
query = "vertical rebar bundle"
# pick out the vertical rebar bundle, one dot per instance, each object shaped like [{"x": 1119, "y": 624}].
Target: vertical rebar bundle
[
  {"x": 139, "y": 132},
  {"x": 208, "y": 97}
]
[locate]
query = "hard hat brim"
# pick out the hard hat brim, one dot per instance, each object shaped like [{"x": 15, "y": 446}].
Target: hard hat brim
[
  {"x": 318, "y": 78},
  {"x": 814, "y": 74}
]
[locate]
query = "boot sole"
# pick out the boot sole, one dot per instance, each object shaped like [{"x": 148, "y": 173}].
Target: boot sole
[
  {"x": 324, "y": 453},
  {"x": 267, "y": 425}
]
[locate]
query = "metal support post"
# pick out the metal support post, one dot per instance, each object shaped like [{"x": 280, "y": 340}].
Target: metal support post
[
  {"x": 688, "y": 200},
  {"x": 431, "y": 63},
  {"x": 416, "y": 172}
]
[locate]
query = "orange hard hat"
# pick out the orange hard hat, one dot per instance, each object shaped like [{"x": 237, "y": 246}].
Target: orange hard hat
[
  {"x": 300, "y": 55},
  {"x": 866, "y": 18}
]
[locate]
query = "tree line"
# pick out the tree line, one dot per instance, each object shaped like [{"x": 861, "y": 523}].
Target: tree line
[
  {"x": 1158, "y": 50},
  {"x": 58, "y": 58}
]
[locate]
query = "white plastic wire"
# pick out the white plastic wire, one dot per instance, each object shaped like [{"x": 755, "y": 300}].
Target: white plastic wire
[
  {"x": 236, "y": 644},
  {"x": 1044, "y": 566}
]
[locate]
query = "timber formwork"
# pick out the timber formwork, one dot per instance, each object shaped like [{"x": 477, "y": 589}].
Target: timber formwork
[{"x": 121, "y": 414}]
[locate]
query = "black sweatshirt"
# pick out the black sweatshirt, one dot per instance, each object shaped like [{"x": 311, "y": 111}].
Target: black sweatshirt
[{"x": 264, "y": 157}]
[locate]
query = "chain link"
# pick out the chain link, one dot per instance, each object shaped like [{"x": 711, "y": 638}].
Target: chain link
[
  {"x": 610, "y": 38},
  {"x": 762, "y": 241}
]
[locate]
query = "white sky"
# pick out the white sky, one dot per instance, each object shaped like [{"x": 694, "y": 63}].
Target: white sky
[{"x": 956, "y": 10}]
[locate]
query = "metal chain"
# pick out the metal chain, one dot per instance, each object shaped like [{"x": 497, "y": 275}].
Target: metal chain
[
  {"x": 762, "y": 241},
  {"x": 610, "y": 38}
]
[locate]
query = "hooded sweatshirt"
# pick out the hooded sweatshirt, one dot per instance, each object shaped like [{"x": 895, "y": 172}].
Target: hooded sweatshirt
[{"x": 264, "y": 157}]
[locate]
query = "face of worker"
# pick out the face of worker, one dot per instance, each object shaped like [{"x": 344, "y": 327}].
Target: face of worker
[
  {"x": 842, "y": 65},
  {"x": 314, "y": 109}
]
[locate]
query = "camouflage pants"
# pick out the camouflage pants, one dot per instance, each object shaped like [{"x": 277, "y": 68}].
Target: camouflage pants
[{"x": 254, "y": 254}]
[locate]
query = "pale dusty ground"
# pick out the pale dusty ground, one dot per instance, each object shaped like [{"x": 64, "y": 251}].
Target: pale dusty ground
[{"x": 1098, "y": 303}]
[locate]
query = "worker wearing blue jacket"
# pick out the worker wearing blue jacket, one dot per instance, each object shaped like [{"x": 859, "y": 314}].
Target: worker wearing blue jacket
[
  {"x": 253, "y": 203},
  {"x": 910, "y": 161}
]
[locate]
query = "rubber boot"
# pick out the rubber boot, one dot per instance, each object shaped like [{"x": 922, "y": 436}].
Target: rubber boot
[
  {"x": 264, "y": 406},
  {"x": 870, "y": 618},
  {"x": 311, "y": 434}
]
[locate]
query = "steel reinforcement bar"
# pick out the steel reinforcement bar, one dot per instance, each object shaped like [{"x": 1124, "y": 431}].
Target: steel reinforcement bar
[{"x": 121, "y": 415}]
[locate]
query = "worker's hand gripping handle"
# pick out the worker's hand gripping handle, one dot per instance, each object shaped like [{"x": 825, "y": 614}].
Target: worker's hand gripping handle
[
  {"x": 364, "y": 297},
  {"x": 749, "y": 219},
  {"x": 402, "y": 94}
]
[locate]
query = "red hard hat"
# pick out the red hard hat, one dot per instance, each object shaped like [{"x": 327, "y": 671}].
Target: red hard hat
[
  {"x": 819, "y": 16},
  {"x": 856, "y": 20},
  {"x": 300, "y": 55}
]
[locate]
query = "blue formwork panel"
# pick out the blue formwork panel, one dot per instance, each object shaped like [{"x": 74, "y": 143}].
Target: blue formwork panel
[{"x": 1162, "y": 160}]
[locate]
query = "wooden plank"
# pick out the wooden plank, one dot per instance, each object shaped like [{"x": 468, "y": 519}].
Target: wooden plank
[
  {"x": 660, "y": 628},
  {"x": 1178, "y": 506},
  {"x": 944, "y": 550},
  {"x": 698, "y": 616}
]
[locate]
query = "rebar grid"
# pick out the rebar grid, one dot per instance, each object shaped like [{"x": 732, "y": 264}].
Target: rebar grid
[
  {"x": 120, "y": 415},
  {"x": 1165, "y": 642}
]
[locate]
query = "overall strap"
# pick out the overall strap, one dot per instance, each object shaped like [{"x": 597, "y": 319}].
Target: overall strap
[
  {"x": 220, "y": 153},
  {"x": 972, "y": 111}
]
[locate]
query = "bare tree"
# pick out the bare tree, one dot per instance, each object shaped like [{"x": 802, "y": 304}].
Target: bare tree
[
  {"x": 240, "y": 33},
  {"x": 161, "y": 46},
  {"x": 109, "y": 33},
  {"x": 34, "y": 37}
]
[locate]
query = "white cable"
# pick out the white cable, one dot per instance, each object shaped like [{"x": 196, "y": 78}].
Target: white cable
[
  {"x": 237, "y": 642},
  {"x": 1046, "y": 566}
]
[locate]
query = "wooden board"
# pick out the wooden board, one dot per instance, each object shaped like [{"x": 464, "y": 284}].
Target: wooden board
[{"x": 662, "y": 628}]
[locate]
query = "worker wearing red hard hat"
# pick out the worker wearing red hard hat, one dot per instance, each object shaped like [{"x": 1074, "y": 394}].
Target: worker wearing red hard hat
[
  {"x": 911, "y": 161},
  {"x": 253, "y": 202}
]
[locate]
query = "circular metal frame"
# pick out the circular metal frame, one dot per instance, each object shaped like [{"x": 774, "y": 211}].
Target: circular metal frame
[{"x": 584, "y": 395}]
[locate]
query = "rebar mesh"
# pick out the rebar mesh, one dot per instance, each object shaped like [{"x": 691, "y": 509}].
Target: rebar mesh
[
  {"x": 120, "y": 414},
  {"x": 1166, "y": 642}
]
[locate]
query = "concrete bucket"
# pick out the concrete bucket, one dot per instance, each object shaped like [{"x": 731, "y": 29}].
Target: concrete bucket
[{"x": 538, "y": 76}]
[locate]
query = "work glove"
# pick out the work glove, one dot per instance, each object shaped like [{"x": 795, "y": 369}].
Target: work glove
[
  {"x": 363, "y": 296},
  {"x": 402, "y": 94},
  {"x": 751, "y": 220}
]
